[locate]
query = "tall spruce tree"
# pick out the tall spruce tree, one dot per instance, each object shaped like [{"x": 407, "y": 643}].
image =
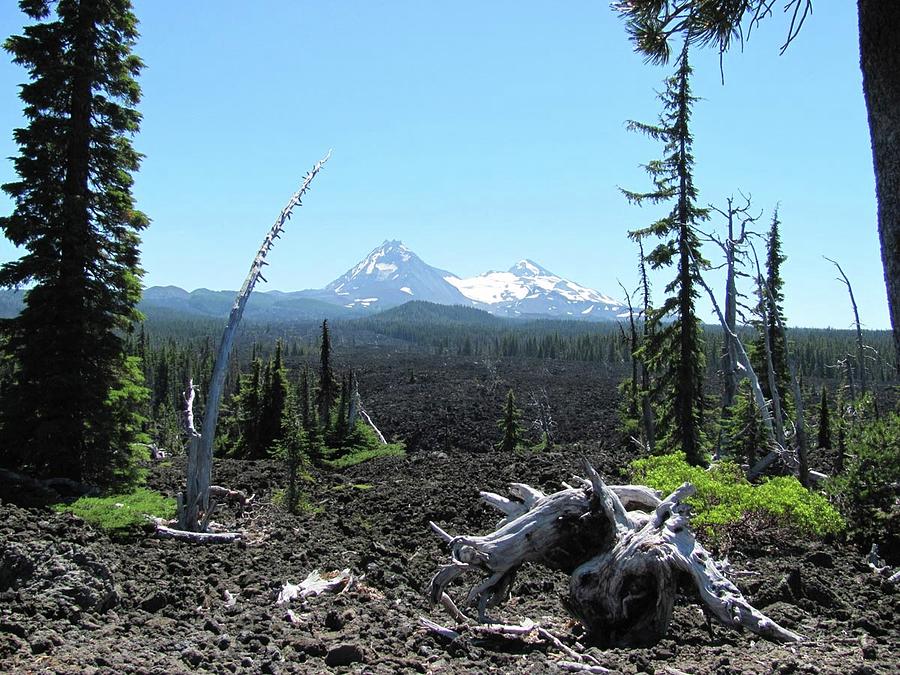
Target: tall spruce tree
[
  {"x": 67, "y": 411},
  {"x": 273, "y": 407},
  {"x": 510, "y": 424},
  {"x": 774, "y": 309},
  {"x": 674, "y": 349},
  {"x": 327, "y": 383},
  {"x": 823, "y": 439}
]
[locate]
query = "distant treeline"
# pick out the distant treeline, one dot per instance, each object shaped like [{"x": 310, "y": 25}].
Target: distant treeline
[{"x": 189, "y": 345}]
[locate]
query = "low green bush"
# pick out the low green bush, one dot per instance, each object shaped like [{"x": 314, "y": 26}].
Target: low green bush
[
  {"x": 361, "y": 445},
  {"x": 360, "y": 456},
  {"x": 868, "y": 492},
  {"x": 121, "y": 513},
  {"x": 725, "y": 497}
]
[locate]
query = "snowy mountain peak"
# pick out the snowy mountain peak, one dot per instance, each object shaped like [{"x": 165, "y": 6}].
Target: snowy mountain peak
[
  {"x": 392, "y": 274},
  {"x": 529, "y": 268}
]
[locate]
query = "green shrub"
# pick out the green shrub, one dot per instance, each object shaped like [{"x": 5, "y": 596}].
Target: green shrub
[
  {"x": 361, "y": 445},
  {"x": 121, "y": 513},
  {"x": 725, "y": 497},
  {"x": 360, "y": 456},
  {"x": 868, "y": 492}
]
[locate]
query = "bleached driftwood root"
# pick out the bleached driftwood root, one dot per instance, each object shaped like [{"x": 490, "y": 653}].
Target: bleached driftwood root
[
  {"x": 166, "y": 532},
  {"x": 624, "y": 562},
  {"x": 315, "y": 584}
]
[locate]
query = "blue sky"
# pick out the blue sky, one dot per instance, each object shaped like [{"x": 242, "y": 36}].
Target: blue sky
[{"x": 478, "y": 133}]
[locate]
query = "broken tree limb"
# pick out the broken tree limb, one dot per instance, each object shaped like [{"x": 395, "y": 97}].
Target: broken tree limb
[
  {"x": 369, "y": 421},
  {"x": 860, "y": 363},
  {"x": 314, "y": 584},
  {"x": 624, "y": 565},
  {"x": 236, "y": 496},
  {"x": 200, "y": 454},
  {"x": 165, "y": 532}
]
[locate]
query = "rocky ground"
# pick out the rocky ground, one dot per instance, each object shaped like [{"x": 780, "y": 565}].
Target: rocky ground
[{"x": 74, "y": 600}]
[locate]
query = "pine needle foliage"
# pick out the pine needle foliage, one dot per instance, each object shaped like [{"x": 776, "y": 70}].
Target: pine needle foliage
[
  {"x": 773, "y": 311},
  {"x": 510, "y": 424},
  {"x": 673, "y": 350},
  {"x": 67, "y": 411}
]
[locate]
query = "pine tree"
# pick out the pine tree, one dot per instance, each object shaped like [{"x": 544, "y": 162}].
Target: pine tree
[
  {"x": 773, "y": 310},
  {"x": 248, "y": 402},
  {"x": 273, "y": 406},
  {"x": 824, "y": 438},
  {"x": 327, "y": 385},
  {"x": 509, "y": 425},
  {"x": 67, "y": 412},
  {"x": 743, "y": 432},
  {"x": 674, "y": 349}
]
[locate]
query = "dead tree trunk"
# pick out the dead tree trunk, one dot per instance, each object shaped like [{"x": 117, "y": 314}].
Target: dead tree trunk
[
  {"x": 860, "y": 347},
  {"x": 647, "y": 417},
  {"x": 196, "y": 497},
  {"x": 624, "y": 549},
  {"x": 730, "y": 248}
]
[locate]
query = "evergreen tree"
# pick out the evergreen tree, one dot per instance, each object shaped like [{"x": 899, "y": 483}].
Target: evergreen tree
[
  {"x": 773, "y": 310},
  {"x": 248, "y": 402},
  {"x": 510, "y": 425},
  {"x": 68, "y": 409},
  {"x": 327, "y": 385},
  {"x": 273, "y": 406},
  {"x": 343, "y": 409},
  {"x": 743, "y": 432},
  {"x": 674, "y": 349},
  {"x": 824, "y": 439}
]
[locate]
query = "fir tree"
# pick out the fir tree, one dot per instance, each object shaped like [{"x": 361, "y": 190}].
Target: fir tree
[
  {"x": 510, "y": 425},
  {"x": 327, "y": 385},
  {"x": 743, "y": 432},
  {"x": 824, "y": 438},
  {"x": 249, "y": 411},
  {"x": 674, "y": 349},
  {"x": 773, "y": 310},
  {"x": 273, "y": 406},
  {"x": 68, "y": 409}
]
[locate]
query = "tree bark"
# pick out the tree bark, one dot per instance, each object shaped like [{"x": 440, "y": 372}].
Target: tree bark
[{"x": 879, "y": 26}]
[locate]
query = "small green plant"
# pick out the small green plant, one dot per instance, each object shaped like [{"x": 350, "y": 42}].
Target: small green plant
[
  {"x": 121, "y": 513},
  {"x": 725, "y": 497},
  {"x": 361, "y": 445},
  {"x": 362, "y": 487},
  {"x": 301, "y": 503}
]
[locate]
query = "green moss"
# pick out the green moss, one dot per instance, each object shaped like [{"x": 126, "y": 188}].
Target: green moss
[
  {"x": 724, "y": 496},
  {"x": 362, "y": 487},
  {"x": 360, "y": 456},
  {"x": 123, "y": 512}
]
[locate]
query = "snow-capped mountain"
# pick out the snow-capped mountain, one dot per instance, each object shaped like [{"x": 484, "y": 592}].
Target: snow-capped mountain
[
  {"x": 529, "y": 290},
  {"x": 391, "y": 275}
]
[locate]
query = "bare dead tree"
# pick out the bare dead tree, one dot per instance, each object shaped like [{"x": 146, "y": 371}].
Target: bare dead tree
[
  {"x": 544, "y": 422},
  {"x": 730, "y": 246},
  {"x": 195, "y": 500},
  {"x": 860, "y": 347},
  {"x": 648, "y": 421},
  {"x": 743, "y": 360}
]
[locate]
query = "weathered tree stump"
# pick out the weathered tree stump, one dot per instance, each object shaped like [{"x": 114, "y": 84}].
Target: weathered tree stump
[{"x": 624, "y": 548}]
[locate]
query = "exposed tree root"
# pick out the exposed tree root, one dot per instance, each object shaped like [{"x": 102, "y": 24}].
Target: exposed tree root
[{"x": 624, "y": 561}]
